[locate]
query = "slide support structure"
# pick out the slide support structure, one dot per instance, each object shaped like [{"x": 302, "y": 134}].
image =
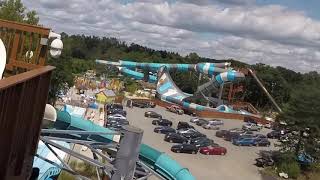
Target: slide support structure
[{"x": 125, "y": 162}]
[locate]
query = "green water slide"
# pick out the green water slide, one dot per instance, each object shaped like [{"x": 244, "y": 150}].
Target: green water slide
[{"x": 159, "y": 162}]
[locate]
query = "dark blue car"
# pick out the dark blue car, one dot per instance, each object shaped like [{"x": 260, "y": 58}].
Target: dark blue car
[{"x": 244, "y": 142}]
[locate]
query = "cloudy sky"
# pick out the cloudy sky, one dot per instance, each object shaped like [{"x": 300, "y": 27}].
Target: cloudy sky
[{"x": 276, "y": 32}]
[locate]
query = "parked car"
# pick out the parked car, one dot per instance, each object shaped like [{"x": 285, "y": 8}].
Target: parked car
[
  {"x": 260, "y": 136},
  {"x": 184, "y": 125},
  {"x": 185, "y": 148},
  {"x": 117, "y": 111},
  {"x": 175, "y": 138},
  {"x": 232, "y": 135},
  {"x": 197, "y": 139},
  {"x": 213, "y": 150},
  {"x": 246, "y": 133},
  {"x": 243, "y": 142},
  {"x": 266, "y": 158},
  {"x": 189, "y": 112},
  {"x": 112, "y": 121},
  {"x": 262, "y": 142},
  {"x": 192, "y": 135},
  {"x": 263, "y": 162},
  {"x": 117, "y": 124},
  {"x": 221, "y": 133},
  {"x": 238, "y": 136},
  {"x": 201, "y": 122},
  {"x": 250, "y": 120},
  {"x": 117, "y": 116},
  {"x": 251, "y": 127},
  {"x": 162, "y": 122},
  {"x": 113, "y": 106},
  {"x": 201, "y": 142},
  {"x": 204, "y": 143},
  {"x": 164, "y": 130},
  {"x": 210, "y": 126},
  {"x": 187, "y": 130},
  {"x": 215, "y": 122},
  {"x": 274, "y": 134},
  {"x": 152, "y": 114},
  {"x": 139, "y": 104},
  {"x": 175, "y": 109},
  {"x": 194, "y": 120}
]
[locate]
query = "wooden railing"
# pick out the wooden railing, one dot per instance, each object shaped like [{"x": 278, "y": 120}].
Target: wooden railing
[
  {"x": 26, "y": 45},
  {"x": 22, "y": 102}
]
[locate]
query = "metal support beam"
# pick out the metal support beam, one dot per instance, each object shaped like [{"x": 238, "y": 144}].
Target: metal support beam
[
  {"x": 265, "y": 90},
  {"x": 127, "y": 154},
  {"x": 151, "y": 170},
  {"x": 77, "y": 155},
  {"x": 78, "y": 132},
  {"x": 101, "y": 145},
  {"x": 62, "y": 167}
]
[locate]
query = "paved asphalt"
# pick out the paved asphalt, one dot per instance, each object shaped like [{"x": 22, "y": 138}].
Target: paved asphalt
[{"x": 237, "y": 164}]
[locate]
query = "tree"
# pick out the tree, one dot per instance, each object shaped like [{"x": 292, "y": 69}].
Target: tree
[
  {"x": 301, "y": 115},
  {"x": 14, "y": 10}
]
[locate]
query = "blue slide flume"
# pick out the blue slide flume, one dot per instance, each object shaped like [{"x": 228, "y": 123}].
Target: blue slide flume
[{"x": 159, "y": 162}]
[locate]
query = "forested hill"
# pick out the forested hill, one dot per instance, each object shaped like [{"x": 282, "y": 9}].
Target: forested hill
[
  {"x": 80, "y": 51},
  {"x": 92, "y": 47}
]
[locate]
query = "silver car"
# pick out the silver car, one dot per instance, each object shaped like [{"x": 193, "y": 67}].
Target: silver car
[
  {"x": 194, "y": 120},
  {"x": 211, "y": 126}
]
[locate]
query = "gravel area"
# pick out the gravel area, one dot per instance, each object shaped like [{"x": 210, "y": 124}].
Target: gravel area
[{"x": 237, "y": 164}]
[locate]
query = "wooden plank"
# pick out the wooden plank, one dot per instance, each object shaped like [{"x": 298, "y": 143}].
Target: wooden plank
[
  {"x": 13, "y": 80},
  {"x": 24, "y": 27},
  {"x": 23, "y": 36},
  {"x": 14, "y": 48}
]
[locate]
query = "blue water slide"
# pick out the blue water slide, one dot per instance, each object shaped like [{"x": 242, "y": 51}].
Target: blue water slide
[
  {"x": 137, "y": 75},
  {"x": 161, "y": 163}
]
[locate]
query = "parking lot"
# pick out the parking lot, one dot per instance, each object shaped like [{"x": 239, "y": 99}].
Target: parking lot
[{"x": 237, "y": 164}]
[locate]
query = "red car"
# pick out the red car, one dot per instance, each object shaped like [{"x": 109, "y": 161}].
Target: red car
[{"x": 213, "y": 150}]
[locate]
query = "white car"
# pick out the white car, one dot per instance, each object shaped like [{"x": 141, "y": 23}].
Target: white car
[
  {"x": 181, "y": 131},
  {"x": 194, "y": 120},
  {"x": 251, "y": 127},
  {"x": 117, "y": 116}
]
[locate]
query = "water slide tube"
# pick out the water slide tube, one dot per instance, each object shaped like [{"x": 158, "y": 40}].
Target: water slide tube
[
  {"x": 137, "y": 75},
  {"x": 206, "y": 68},
  {"x": 168, "y": 91},
  {"x": 161, "y": 163}
]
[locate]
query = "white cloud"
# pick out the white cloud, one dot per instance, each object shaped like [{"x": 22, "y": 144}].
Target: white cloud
[{"x": 237, "y": 29}]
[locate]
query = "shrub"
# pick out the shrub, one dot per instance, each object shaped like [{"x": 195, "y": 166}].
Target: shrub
[
  {"x": 291, "y": 168},
  {"x": 287, "y": 163}
]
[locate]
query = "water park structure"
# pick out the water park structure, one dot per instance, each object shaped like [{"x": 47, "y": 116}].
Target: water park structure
[{"x": 167, "y": 91}]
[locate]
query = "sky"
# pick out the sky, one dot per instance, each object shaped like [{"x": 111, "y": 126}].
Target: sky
[{"x": 275, "y": 32}]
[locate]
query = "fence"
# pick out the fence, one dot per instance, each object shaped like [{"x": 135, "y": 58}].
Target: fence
[{"x": 22, "y": 97}]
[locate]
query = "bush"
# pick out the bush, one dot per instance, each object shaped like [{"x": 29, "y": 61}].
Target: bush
[
  {"x": 291, "y": 168},
  {"x": 287, "y": 163}
]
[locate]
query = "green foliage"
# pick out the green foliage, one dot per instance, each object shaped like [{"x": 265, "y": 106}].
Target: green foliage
[
  {"x": 14, "y": 10},
  {"x": 301, "y": 114},
  {"x": 291, "y": 168},
  {"x": 87, "y": 170},
  {"x": 130, "y": 85},
  {"x": 286, "y": 162},
  {"x": 66, "y": 176},
  {"x": 274, "y": 82}
]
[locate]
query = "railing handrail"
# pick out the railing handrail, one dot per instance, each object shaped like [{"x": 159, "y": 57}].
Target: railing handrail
[
  {"x": 16, "y": 79},
  {"x": 24, "y": 27}
]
